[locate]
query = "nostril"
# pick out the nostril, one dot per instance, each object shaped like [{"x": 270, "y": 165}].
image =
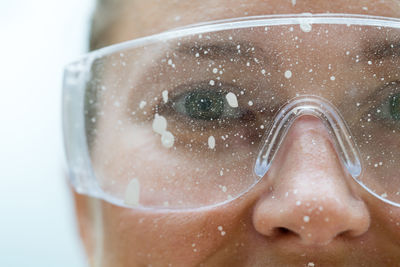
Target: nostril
[{"x": 283, "y": 231}]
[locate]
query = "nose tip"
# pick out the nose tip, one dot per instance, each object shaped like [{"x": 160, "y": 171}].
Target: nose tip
[
  {"x": 310, "y": 197},
  {"x": 311, "y": 218}
]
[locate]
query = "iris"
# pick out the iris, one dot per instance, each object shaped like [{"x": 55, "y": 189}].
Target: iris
[
  {"x": 395, "y": 107},
  {"x": 204, "y": 104}
]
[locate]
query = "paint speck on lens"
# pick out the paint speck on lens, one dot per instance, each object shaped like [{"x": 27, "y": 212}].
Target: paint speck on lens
[
  {"x": 142, "y": 104},
  {"x": 211, "y": 142},
  {"x": 288, "y": 74},
  {"x": 159, "y": 124},
  {"x": 305, "y": 27},
  {"x": 232, "y": 100},
  {"x": 167, "y": 139},
  {"x": 132, "y": 193},
  {"x": 165, "y": 96}
]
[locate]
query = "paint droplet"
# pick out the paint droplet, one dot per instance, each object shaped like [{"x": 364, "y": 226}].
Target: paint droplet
[
  {"x": 159, "y": 124},
  {"x": 212, "y": 82},
  {"x": 167, "y": 139},
  {"x": 305, "y": 27},
  {"x": 232, "y": 100},
  {"x": 132, "y": 193},
  {"x": 211, "y": 142},
  {"x": 288, "y": 74},
  {"x": 142, "y": 104},
  {"x": 165, "y": 96},
  {"x": 310, "y": 264},
  {"x": 306, "y": 219},
  {"x": 333, "y": 78},
  {"x": 250, "y": 103}
]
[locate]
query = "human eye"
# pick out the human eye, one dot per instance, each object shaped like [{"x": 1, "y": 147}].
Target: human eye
[
  {"x": 388, "y": 111},
  {"x": 206, "y": 103},
  {"x": 199, "y": 110}
]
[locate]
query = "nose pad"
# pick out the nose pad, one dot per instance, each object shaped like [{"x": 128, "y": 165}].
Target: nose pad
[
  {"x": 330, "y": 117},
  {"x": 309, "y": 199}
]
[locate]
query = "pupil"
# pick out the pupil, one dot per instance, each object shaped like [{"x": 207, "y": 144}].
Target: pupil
[
  {"x": 204, "y": 105},
  {"x": 395, "y": 107}
]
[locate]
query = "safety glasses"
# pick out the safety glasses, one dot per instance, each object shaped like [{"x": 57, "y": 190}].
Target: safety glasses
[{"x": 194, "y": 117}]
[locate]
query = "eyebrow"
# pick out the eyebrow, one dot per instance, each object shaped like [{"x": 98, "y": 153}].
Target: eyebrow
[
  {"x": 383, "y": 50},
  {"x": 223, "y": 50}
]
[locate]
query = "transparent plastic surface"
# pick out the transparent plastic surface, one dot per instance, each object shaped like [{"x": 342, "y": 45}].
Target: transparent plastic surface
[{"x": 192, "y": 121}]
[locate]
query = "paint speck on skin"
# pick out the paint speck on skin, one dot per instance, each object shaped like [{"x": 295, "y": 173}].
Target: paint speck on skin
[
  {"x": 220, "y": 228},
  {"x": 132, "y": 193},
  {"x": 224, "y": 189},
  {"x": 232, "y": 100},
  {"x": 298, "y": 203},
  {"x": 306, "y": 219},
  {"x": 211, "y": 142},
  {"x": 333, "y": 78},
  {"x": 159, "y": 124},
  {"x": 167, "y": 139},
  {"x": 223, "y": 233},
  {"x": 212, "y": 82},
  {"x": 310, "y": 264},
  {"x": 293, "y": 2},
  {"x": 250, "y": 103},
  {"x": 165, "y": 96},
  {"x": 288, "y": 74},
  {"x": 142, "y": 104}
]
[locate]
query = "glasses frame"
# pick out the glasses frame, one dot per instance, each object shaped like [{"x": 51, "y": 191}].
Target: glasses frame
[{"x": 77, "y": 74}]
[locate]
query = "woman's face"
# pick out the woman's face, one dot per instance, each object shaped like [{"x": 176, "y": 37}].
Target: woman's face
[{"x": 307, "y": 213}]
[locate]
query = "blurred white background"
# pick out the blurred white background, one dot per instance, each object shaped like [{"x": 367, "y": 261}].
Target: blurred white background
[{"x": 37, "y": 226}]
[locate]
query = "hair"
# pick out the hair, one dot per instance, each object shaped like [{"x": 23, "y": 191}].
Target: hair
[{"x": 104, "y": 17}]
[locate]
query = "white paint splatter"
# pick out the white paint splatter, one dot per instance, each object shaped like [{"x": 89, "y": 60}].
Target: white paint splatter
[
  {"x": 211, "y": 142},
  {"x": 293, "y": 2},
  {"x": 250, "y": 103},
  {"x": 142, "y": 104},
  {"x": 165, "y": 96},
  {"x": 305, "y": 26},
  {"x": 159, "y": 124},
  {"x": 212, "y": 82},
  {"x": 132, "y": 193},
  {"x": 288, "y": 74},
  {"x": 167, "y": 139},
  {"x": 333, "y": 78},
  {"x": 224, "y": 189},
  {"x": 306, "y": 219},
  {"x": 232, "y": 100}
]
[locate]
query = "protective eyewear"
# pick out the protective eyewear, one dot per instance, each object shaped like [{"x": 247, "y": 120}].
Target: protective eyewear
[{"x": 195, "y": 116}]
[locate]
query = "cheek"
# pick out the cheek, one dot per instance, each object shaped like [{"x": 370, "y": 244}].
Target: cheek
[{"x": 186, "y": 238}]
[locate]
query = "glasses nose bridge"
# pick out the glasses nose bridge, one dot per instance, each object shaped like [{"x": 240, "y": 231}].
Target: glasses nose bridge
[{"x": 331, "y": 118}]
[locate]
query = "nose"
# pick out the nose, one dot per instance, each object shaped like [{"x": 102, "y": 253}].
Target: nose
[{"x": 310, "y": 197}]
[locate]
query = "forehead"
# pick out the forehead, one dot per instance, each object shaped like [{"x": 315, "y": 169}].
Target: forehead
[{"x": 141, "y": 18}]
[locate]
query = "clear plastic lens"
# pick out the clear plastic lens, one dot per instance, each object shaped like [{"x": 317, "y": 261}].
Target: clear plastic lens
[{"x": 180, "y": 123}]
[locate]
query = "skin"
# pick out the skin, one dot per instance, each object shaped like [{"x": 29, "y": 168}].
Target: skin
[{"x": 347, "y": 226}]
